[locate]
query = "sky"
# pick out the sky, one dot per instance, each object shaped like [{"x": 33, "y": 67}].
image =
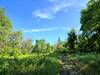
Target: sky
[{"x": 44, "y": 19}]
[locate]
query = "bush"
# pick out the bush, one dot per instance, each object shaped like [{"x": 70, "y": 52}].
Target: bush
[{"x": 29, "y": 65}]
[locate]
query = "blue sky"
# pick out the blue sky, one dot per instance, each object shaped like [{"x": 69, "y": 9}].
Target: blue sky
[{"x": 44, "y": 19}]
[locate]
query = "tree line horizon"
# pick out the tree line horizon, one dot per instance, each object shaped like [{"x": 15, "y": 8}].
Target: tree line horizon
[{"x": 90, "y": 29}]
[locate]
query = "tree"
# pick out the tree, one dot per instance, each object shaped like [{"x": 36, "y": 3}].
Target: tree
[
  {"x": 5, "y": 29},
  {"x": 40, "y": 46},
  {"x": 26, "y": 46},
  {"x": 14, "y": 41},
  {"x": 58, "y": 44},
  {"x": 72, "y": 38},
  {"x": 90, "y": 22},
  {"x": 10, "y": 41},
  {"x": 85, "y": 44},
  {"x": 49, "y": 47}
]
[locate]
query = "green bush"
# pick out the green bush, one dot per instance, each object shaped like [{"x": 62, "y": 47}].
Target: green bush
[{"x": 29, "y": 65}]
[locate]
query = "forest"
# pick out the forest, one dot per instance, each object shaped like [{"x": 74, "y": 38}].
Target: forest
[{"x": 78, "y": 55}]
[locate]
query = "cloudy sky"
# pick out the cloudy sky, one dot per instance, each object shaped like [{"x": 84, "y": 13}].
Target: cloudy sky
[{"x": 44, "y": 19}]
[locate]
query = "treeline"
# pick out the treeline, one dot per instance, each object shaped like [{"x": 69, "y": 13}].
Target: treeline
[{"x": 88, "y": 40}]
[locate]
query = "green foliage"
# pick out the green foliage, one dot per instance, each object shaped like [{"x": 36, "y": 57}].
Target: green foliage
[
  {"x": 72, "y": 39},
  {"x": 26, "y": 46},
  {"x": 5, "y": 29},
  {"x": 41, "y": 46},
  {"x": 11, "y": 42},
  {"x": 90, "y": 23},
  {"x": 29, "y": 65},
  {"x": 90, "y": 63},
  {"x": 90, "y": 16}
]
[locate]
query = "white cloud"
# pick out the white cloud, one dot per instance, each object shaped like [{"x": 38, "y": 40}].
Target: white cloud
[
  {"x": 46, "y": 29},
  {"x": 43, "y": 14},
  {"x": 43, "y": 30},
  {"x": 48, "y": 13},
  {"x": 56, "y": 6}
]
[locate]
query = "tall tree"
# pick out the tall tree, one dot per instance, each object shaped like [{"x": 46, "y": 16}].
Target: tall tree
[
  {"x": 5, "y": 28},
  {"x": 72, "y": 38},
  {"x": 90, "y": 21}
]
